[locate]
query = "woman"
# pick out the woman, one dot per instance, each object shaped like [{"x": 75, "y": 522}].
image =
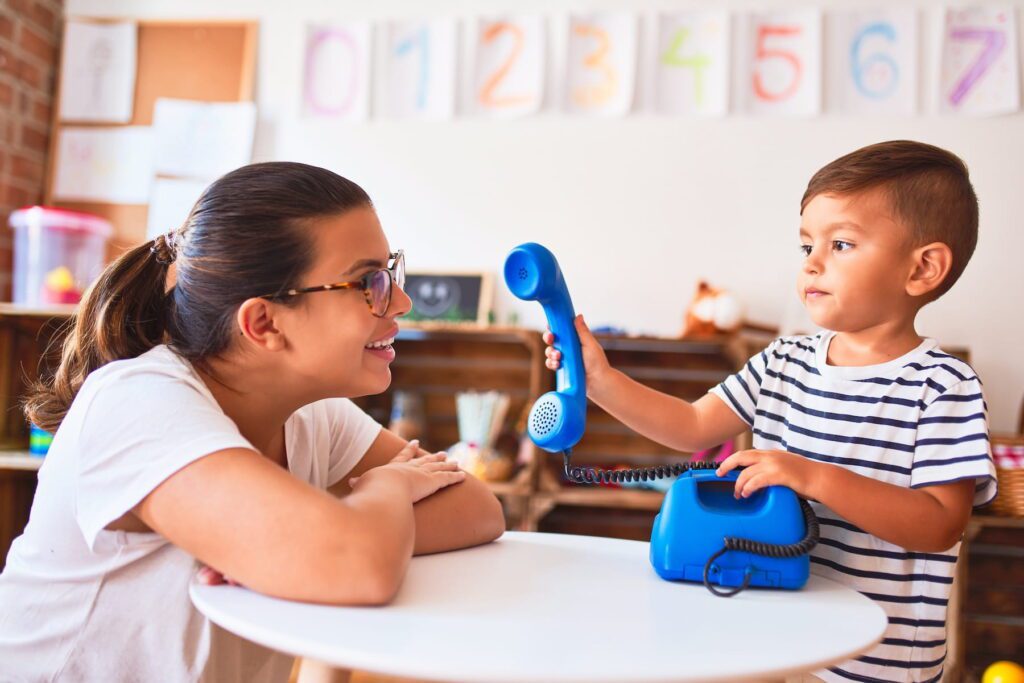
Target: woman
[{"x": 211, "y": 422}]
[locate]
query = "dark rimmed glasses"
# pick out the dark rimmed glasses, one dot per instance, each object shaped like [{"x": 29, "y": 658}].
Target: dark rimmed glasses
[{"x": 376, "y": 285}]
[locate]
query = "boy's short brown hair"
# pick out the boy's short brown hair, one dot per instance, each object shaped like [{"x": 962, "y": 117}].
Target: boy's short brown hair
[{"x": 927, "y": 187}]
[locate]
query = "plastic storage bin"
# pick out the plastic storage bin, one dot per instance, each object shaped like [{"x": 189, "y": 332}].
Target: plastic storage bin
[{"x": 57, "y": 254}]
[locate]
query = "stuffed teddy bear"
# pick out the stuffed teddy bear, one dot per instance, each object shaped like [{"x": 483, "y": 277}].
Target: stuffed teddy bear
[{"x": 712, "y": 312}]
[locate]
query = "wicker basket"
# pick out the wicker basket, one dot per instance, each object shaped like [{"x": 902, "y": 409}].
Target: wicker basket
[{"x": 1009, "y": 502}]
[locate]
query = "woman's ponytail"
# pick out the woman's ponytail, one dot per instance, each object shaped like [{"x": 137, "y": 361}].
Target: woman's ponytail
[{"x": 123, "y": 315}]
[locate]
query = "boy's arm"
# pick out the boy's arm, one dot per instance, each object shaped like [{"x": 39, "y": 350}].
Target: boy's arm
[
  {"x": 464, "y": 515},
  {"x": 925, "y": 519},
  {"x": 666, "y": 419}
]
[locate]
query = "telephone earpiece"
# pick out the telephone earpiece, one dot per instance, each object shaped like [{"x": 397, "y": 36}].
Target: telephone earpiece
[{"x": 558, "y": 418}]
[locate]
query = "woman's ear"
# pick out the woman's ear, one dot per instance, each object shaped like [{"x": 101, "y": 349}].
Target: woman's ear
[
  {"x": 257, "y": 324},
  {"x": 931, "y": 266}
]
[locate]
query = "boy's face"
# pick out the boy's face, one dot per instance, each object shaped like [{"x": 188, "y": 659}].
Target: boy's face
[{"x": 856, "y": 264}]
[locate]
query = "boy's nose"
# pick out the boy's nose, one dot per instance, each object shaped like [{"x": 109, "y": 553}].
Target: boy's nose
[{"x": 812, "y": 263}]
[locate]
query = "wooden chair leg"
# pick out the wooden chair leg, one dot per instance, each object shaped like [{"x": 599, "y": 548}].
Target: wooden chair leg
[{"x": 312, "y": 671}]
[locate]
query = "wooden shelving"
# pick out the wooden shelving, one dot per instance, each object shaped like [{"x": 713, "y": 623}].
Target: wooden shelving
[{"x": 20, "y": 460}]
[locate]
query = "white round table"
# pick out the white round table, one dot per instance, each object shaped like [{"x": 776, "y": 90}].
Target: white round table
[{"x": 553, "y": 608}]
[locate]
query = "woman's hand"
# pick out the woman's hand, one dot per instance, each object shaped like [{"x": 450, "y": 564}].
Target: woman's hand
[
  {"x": 208, "y": 576},
  {"x": 423, "y": 473},
  {"x": 595, "y": 362},
  {"x": 771, "y": 468}
]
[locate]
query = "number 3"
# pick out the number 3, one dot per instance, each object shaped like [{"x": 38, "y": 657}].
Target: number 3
[{"x": 596, "y": 95}]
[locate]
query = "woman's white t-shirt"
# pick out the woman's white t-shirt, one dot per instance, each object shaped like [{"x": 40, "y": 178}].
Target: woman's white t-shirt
[{"x": 80, "y": 603}]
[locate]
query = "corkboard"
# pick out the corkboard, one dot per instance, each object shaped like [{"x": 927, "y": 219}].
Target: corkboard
[{"x": 211, "y": 61}]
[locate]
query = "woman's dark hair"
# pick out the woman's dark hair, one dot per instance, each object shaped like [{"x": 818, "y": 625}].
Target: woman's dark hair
[{"x": 246, "y": 236}]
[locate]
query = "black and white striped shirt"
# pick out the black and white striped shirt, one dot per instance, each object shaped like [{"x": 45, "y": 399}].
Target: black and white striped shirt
[{"x": 919, "y": 420}]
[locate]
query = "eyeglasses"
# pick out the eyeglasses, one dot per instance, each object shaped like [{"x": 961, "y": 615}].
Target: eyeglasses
[{"x": 376, "y": 285}]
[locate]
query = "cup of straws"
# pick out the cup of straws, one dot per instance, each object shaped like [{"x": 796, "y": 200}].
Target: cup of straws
[{"x": 481, "y": 418}]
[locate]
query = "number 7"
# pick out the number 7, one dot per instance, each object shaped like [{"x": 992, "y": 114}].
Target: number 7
[{"x": 994, "y": 41}]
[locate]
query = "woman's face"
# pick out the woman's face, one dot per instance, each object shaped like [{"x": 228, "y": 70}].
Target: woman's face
[{"x": 332, "y": 334}]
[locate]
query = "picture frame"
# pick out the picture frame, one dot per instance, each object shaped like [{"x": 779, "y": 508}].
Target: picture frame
[{"x": 450, "y": 297}]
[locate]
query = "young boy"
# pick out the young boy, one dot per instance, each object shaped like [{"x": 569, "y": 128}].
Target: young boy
[{"x": 886, "y": 433}]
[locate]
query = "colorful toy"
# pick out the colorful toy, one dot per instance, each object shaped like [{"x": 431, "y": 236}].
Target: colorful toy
[
  {"x": 59, "y": 287},
  {"x": 712, "y": 312},
  {"x": 39, "y": 440},
  {"x": 1003, "y": 672}
]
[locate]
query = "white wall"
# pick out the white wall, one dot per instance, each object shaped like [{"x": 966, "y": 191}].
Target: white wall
[{"x": 642, "y": 203}]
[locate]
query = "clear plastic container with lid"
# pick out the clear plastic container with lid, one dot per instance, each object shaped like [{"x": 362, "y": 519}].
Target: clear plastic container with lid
[{"x": 57, "y": 254}]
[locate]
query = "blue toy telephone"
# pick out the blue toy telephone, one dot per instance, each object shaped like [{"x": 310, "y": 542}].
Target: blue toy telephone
[
  {"x": 558, "y": 418},
  {"x": 702, "y": 532}
]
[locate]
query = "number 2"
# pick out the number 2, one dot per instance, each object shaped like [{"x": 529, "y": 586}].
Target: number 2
[{"x": 488, "y": 98}]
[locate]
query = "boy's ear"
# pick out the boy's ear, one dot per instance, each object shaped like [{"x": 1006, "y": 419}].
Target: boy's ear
[
  {"x": 931, "y": 264},
  {"x": 257, "y": 323}
]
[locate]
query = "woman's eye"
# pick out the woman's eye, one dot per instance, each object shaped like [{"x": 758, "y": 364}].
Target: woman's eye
[
  {"x": 840, "y": 245},
  {"x": 805, "y": 249}
]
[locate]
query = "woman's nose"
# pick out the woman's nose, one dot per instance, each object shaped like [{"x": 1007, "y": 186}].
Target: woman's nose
[{"x": 401, "y": 304}]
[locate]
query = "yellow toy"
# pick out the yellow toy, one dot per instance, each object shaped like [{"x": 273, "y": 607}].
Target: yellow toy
[
  {"x": 1004, "y": 672},
  {"x": 59, "y": 287}
]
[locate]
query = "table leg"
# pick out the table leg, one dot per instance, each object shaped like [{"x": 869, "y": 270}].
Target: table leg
[{"x": 312, "y": 671}]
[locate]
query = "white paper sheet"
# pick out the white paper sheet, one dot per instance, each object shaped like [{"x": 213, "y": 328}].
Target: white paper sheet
[
  {"x": 601, "y": 65},
  {"x": 104, "y": 165},
  {"x": 419, "y": 69},
  {"x": 202, "y": 140},
  {"x": 509, "y": 66},
  {"x": 170, "y": 204},
  {"x": 692, "y": 68},
  {"x": 782, "y": 63},
  {"x": 98, "y": 72},
  {"x": 337, "y": 78},
  {"x": 980, "y": 74},
  {"x": 873, "y": 64}
]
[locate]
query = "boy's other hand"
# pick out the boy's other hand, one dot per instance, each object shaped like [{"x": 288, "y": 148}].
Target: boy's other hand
[
  {"x": 770, "y": 468},
  {"x": 595, "y": 362}
]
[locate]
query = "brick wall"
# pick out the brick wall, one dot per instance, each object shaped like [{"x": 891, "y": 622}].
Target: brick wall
[{"x": 30, "y": 33}]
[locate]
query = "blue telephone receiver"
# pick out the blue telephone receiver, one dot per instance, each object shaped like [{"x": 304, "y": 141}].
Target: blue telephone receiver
[{"x": 558, "y": 418}]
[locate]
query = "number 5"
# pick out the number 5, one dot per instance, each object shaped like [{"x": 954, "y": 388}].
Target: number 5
[{"x": 764, "y": 52}]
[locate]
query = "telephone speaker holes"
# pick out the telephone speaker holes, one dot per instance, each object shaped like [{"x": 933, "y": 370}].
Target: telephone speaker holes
[{"x": 544, "y": 417}]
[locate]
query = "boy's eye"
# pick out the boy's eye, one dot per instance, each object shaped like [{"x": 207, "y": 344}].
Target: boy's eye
[
  {"x": 805, "y": 249},
  {"x": 841, "y": 245}
]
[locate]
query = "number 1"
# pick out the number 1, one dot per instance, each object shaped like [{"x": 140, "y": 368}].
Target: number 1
[{"x": 418, "y": 40}]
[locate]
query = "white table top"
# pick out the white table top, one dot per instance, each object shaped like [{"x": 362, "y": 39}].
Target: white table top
[{"x": 551, "y": 608}]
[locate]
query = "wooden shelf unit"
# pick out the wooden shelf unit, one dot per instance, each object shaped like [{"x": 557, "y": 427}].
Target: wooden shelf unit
[{"x": 437, "y": 362}]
